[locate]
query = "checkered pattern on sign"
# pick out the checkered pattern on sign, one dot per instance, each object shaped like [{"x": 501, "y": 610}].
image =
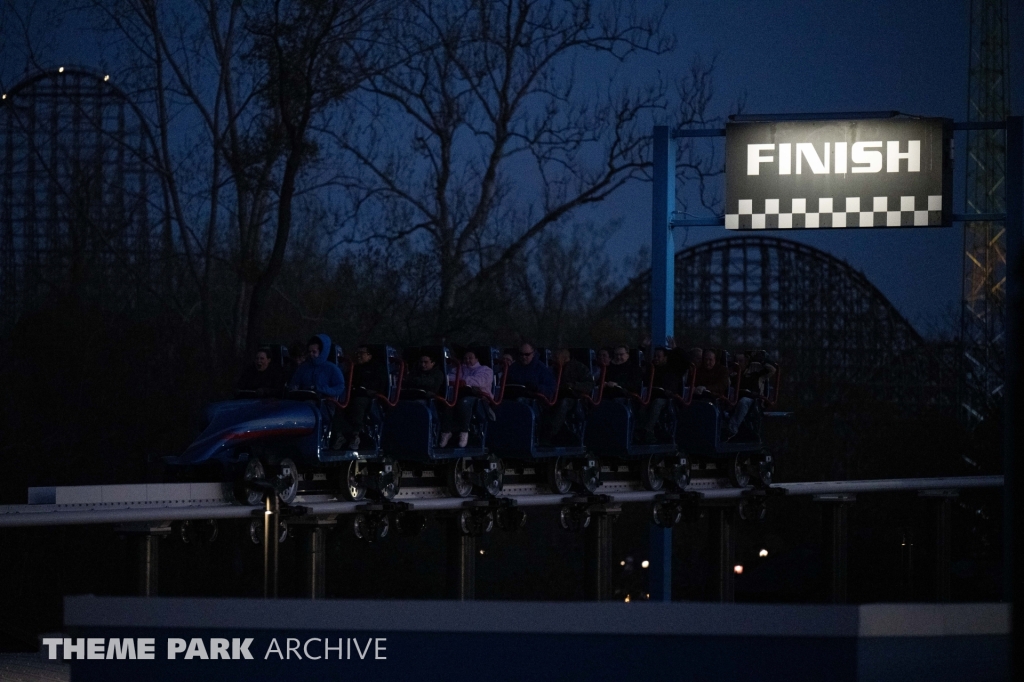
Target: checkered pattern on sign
[{"x": 906, "y": 211}]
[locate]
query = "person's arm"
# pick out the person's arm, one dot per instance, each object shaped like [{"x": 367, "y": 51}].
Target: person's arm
[
  {"x": 336, "y": 381},
  {"x": 485, "y": 381}
]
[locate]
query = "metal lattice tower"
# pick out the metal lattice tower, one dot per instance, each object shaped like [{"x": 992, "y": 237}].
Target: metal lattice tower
[
  {"x": 983, "y": 318},
  {"x": 77, "y": 191}
]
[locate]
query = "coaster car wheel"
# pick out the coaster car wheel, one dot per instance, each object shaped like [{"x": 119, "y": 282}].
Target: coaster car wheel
[
  {"x": 353, "y": 481},
  {"x": 557, "y": 480},
  {"x": 651, "y": 472},
  {"x": 681, "y": 472},
  {"x": 252, "y": 471},
  {"x": 739, "y": 471},
  {"x": 494, "y": 476},
  {"x": 590, "y": 476},
  {"x": 766, "y": 468},
  {"x": 511, "y": 519},
  {"x": 371, "y": 527},
  {"x": 456, "y": 478},
  {"x": 256, "y": 532},
  {"x": 390, "y": 479},
  {"x": 288, "y": 480},
  {"x": 477, "y": 523},
  {"x": 198, "y": 532},
  {"x": 573, "y": 519},
  {"x": 666, "y": 515}
]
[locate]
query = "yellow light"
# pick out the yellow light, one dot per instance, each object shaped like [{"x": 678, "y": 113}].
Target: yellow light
[
  {"x": 60, "y": 70},
  {"x": 763, "y": 553},
  {"x": 645, "y": 563},
  {"x": 621, "y": 563},
  {"x": 627, "y": 598},
  {"x": 107, "y": 77},
  {"x": 4, "y": 97},
  {"x": 481, "y": 551},
  {"x": 737, "y": 569}
]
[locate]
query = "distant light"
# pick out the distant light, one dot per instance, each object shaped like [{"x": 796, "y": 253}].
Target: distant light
[
  {"x": 645, "y": 564},
  {"x": 621, "y": 563},
  {"x": 60, "y": 70},
  {"x": 737, "y": 569},
  {"x": 763, "y": 553},
  {"x": 107, "y": 77},
  {"x": 627, "y": 598},
  {"x": 481, "y": 551},
  {"x": 4, "y": 97}
]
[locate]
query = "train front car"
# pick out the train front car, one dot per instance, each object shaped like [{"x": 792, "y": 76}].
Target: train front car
[
  {"x": 734, "y": 450},
  {"x": 532, "y": 448},
  {"x": 434, "y": 398},
  {"x": 292, "y": 442},
  {"x": 634, "y": 434},
  {"x": 247, "y": 440}
]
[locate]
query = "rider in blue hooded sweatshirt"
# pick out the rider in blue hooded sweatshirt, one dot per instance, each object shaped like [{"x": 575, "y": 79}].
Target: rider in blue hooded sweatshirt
[{"x": 317, "y": 373}]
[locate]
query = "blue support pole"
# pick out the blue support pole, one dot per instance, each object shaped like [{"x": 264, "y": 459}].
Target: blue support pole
[
  {"x": 1013, "y": 519},
  {"x": 663, "y": 279},
  {"x": 663, "y": 251},
  {"x": 659, "y": 575}
]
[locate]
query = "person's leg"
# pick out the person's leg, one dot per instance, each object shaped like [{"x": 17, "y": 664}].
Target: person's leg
[
  {"x": 557, "y": 415},
  {"x": 649, "y": 419},
  {"x": 739, "y": 412},
  {"x": 463, "y": 414},
  {"x": 447, "y": 420},
  {"x": 355, "y": 414}
]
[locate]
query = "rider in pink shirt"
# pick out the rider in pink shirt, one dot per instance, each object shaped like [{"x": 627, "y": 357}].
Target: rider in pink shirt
[{"x": 479, "y": 381}]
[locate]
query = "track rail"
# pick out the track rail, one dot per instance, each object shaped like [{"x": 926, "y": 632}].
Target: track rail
[{"x": 85, "y": 505}]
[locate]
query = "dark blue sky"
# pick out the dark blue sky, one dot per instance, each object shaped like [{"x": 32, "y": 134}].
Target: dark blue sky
[{"x": 841, "y": 55}]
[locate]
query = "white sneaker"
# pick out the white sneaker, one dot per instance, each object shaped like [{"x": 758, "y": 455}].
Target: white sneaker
[
  {"x": 463, "y": 439},
  {"x": 445, "y": 437}
]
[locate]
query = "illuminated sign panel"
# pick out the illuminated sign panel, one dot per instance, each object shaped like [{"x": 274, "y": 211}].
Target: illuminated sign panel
[{"x": 838, "y": 174}]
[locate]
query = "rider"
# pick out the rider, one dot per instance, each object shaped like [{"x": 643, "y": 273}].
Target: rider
[
  {"x": 479, "y": 382},
  {"x": 530, "y": 372},
  {"x": 368, "y": 381},
  {"x": 263, "y": 377},
  {"x": 317, "y": 374}
]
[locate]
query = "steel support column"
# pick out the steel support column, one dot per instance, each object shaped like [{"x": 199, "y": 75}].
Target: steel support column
[
  {"x": 460, "y": 579},
  {"x": 725, "y": 520},
  {"x": 271, "y": 537},
  {"x": 663, "y": 250},
  {"x": 146, "y": 538},
  {"x": 1013, "y": 570},
  {"x": 659, "y": 576},
  {"x": 148, "y": 552},
  {"x": 597, "y": 556},
  {"x": 943, "y": 500},
  {"x": 835, "y": 535},
  {"x": 314, "y": 548}
]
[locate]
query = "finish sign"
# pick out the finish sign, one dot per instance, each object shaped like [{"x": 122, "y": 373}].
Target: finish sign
[{"x": 893, "y": 172}]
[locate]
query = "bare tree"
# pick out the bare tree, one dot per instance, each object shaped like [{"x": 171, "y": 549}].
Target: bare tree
[
  {"x": 236, "y": 91},
  {"x": 494, "y": 130}
]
